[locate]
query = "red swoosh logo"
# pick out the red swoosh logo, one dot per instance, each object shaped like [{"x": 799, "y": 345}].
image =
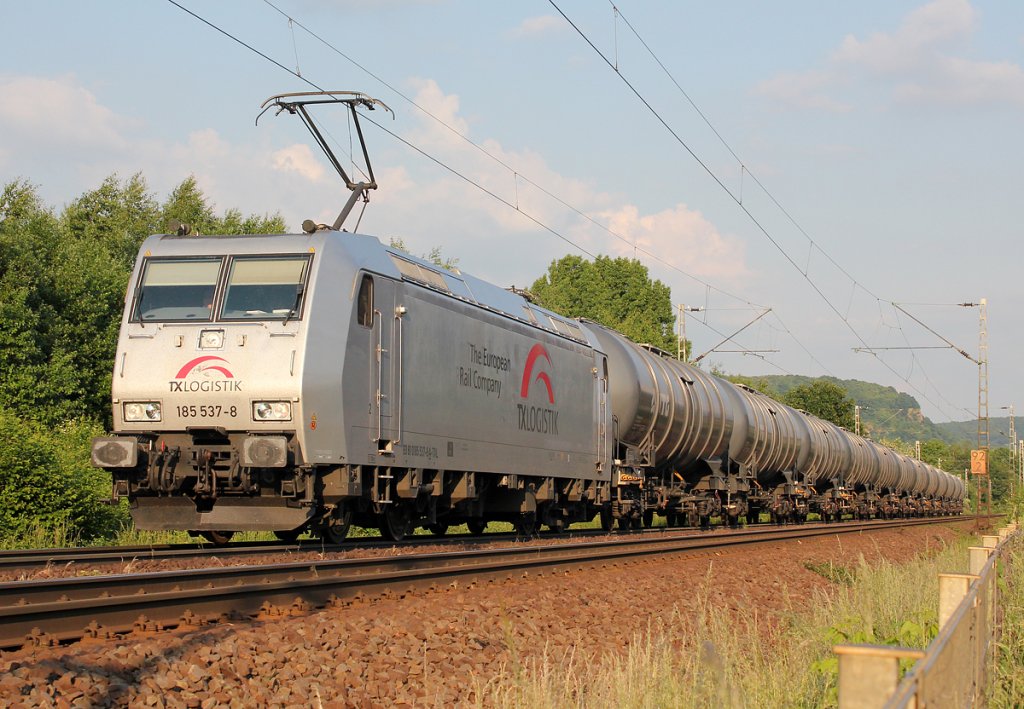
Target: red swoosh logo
[
  {"x": 537, "y": 351},
  {"x": 189, "y": 366}
]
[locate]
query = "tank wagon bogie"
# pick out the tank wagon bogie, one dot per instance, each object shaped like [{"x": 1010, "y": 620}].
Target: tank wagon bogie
[{"x": 314, "y": 381}]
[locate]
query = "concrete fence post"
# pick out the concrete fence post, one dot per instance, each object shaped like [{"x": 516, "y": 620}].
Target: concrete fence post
[
  {"x": 952, "y": 589},
  {"x": 978, "y": 559},
  {"x": 869, "y": 674}
]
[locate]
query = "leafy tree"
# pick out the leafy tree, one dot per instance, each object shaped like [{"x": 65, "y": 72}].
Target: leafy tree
[
  {"x": 756, "y": 383},
  {"x": 188, "y": 205},
  {"x": 116, "y": 216},
  {"x": 824, "y": 399},
  {"x": 47, "y": 482},
  {"x": 616, "y": 292},
  {"x": 435, "y": 256}
]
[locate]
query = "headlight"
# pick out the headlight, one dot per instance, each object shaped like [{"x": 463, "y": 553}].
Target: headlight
[
  {"x": 271, "y": 411},
  {"x": 142, "y": 411},
  {"x": 211, "y": 339}
]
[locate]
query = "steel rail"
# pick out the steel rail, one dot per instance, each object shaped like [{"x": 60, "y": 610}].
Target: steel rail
[
  {"x": 41, "y": 558},
  {"x": 71, "y": 608},
  {"x": 17, "y": 559}
]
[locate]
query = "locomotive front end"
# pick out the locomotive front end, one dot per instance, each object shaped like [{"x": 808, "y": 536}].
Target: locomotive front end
[{"x": 206, "y": 388}]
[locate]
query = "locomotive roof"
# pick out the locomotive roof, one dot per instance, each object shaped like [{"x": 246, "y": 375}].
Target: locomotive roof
[{"x": 369, "y": 253}]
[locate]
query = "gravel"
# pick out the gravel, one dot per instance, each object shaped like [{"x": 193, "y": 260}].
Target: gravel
[{"x": 430, "y": 648}]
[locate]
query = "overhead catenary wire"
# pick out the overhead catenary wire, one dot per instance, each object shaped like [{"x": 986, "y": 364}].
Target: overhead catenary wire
[
  {"x": 708, "y": 286},
  {"x": 844, "y": 318},
  {"x": 517, "y": 175}
]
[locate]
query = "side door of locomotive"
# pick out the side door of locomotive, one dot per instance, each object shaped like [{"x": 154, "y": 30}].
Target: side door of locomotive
[{"x": 385, "y": 376}]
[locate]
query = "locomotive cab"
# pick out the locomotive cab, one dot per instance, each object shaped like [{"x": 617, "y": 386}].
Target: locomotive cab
[{"x": 208, "y": 394}]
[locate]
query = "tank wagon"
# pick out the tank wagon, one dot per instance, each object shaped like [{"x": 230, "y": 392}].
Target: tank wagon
[{"x": 288, "y": 382}]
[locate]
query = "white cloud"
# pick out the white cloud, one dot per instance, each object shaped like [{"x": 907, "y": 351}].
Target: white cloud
[
  {"x": 542, "y": 24},
  {"x": 804, "y": 90},
  {"x": 299, "y": 159},
  {"x": 425, "y": 205},
  {"x": 58, "y": 112},
  {"x": 923, "y": 32},
  {"x": 473, "y": 220},
  {"x": 917, "y": 63},
  {"x": 684, "y": 236}
]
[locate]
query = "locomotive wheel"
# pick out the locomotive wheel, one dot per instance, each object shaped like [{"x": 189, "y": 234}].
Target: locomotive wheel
[
  {"x": 438, "y": 530},
  {"x": 526, "y": 524},
  {"x": 648, "y": 518},
  {"x": 218, "y": 538},
  {"x": 336, "y": 529},
  {"x": 671, "y": 520},
  {"x": 607, "y": 522},
  {"x": 476, "y": 526},
  {"x": 394, "y": 523},
  {"x": 288, "y": 537}
]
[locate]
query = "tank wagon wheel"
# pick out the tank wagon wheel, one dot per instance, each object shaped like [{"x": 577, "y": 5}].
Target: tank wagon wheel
[
  {"x": 288, "y": 537},
  {"x": 526, "y": 524},
  {"x": 439, "y": 529},
  {"x": 337, "y": 526},
  {"x": 648, "y": 518},
  {"x": 607, "y": 521},
  {"x": 394, "y": 523},
  {"x": 476, "y": 526},
  {"x": 218, "y": 538}
]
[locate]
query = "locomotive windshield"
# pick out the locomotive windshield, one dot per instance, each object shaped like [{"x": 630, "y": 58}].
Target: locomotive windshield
[
  {"x": 265, "y": 288},
  {"x": 177, "y": 290}
]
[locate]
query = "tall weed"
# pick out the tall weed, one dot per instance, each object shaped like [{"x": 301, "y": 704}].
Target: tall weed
[{"x": 719, "y": 659}]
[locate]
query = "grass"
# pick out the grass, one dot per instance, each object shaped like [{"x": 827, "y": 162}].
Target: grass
[
  {"x": 1008, "y": 674},
  {"x": 716, "y": 659}
]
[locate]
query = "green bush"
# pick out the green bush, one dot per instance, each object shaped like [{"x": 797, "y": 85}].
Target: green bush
[{"x": 48, "y": 483}]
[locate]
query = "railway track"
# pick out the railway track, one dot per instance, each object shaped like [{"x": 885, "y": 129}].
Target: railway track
[
  {"x": 66, "y": 609},
  {"x": 38, "y": 558},
  {"x": 25, "y": 559}
]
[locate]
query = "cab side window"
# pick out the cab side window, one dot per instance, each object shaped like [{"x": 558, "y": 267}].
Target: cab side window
[{"x": 365, "y": 304}]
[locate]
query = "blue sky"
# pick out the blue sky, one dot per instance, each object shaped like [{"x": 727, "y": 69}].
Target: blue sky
[{"x": 889, "y": 132}]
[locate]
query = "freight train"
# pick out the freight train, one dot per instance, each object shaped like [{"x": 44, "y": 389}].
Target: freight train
[
  {"x": 286, "y": 382},
  {"x": 312, "y": 381}
]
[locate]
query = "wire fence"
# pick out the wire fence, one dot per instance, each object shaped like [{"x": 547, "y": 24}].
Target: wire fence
[{"x": 954, "y": 669}]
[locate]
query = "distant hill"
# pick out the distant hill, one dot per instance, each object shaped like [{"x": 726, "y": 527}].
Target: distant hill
[
  {"x": 888, "y": 413},
  {"x": 998, "y": 430}
]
